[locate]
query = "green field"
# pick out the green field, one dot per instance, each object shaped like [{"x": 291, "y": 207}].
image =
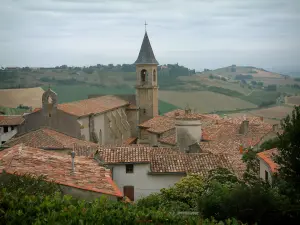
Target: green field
[{"x": 69, "y": 93}]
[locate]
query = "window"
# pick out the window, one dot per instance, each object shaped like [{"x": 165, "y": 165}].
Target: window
[
  {"x": 143, "y": 75},
  {"x": 12, "y": 127},
  {"x": 266, "y": 176},
  {"x": 154, "y": 75},
  {"x": 144, "y": 111},
  {"x": 5, "y": 129},
  {"x": 128, "y": 191},
  {"x": 129, "y": 168}
]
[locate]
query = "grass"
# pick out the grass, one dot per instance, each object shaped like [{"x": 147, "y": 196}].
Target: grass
[
  {"x": 258, "y": 97},
  {"x": 12, "y": 111},
  {"x": 204, "y": 101}
]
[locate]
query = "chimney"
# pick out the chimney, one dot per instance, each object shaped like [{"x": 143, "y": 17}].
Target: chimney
[
  {"x": 73, "y": 159},
  {"x": 275, "y": 127},
  {"x": 244, "y": 127}
]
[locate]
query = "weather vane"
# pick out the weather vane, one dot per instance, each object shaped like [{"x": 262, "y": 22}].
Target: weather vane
[{"x": 145, "y": 26}]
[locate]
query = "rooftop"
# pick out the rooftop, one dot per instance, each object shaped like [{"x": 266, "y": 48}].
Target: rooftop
[
  {"x": 11, "y": 120},
  {"x": 146, "y": 55},
  {"x": 268, "y": 156},
  {"x": 93, "y": 105},
  {"x": 159, "y": 124},
  {"x": 47, "y": 138},
  {"x": 57, "y": 167},
  {"x": 164, "y": 160}
]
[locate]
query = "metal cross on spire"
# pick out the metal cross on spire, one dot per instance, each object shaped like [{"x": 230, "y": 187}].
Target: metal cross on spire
[{"x": 145, "y": 26}]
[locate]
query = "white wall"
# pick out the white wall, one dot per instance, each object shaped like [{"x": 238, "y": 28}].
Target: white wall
[
  {"x": 8, "y": 135},
  {"x": 263, "y": 166},
  {"x": 143, "y": 183}
]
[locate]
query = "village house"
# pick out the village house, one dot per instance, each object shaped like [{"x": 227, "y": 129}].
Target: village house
[
  {"x": 102, "y": 120},
  {"x": 86, "y": 179},
  {"x": 9, "y": 126},
  {"x": 139, "y": 170},
  {"x": 267, "y": 166}
]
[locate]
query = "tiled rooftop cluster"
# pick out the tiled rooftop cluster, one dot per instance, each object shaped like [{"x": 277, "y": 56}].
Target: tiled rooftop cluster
[
  {"x": 166, "y": 122},
  {"x": 11, "y": 120},
  {"x": 164, "y": 160},
  {"x": 47, "y": 138},
  {"x": 57, "y": 167}
]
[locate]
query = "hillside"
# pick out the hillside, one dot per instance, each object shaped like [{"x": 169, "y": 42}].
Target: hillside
[{"x": 233, "y": 70}]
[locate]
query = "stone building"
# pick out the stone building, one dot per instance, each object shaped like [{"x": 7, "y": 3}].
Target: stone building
[{"x": 9, "y": 127}]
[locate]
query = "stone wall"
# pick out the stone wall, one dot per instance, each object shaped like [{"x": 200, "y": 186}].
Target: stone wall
[{"x": 59, "y": 121}]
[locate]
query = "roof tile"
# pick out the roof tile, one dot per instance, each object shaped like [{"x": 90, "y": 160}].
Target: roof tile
[
  {"x": 47, "y": 138},
  {"x": 268, "y": 156},
  {"x": 23, "y": 159},
  {"x": 11, "y": 120}
]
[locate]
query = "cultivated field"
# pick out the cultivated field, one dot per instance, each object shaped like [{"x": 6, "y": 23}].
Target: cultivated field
[
  {"x": 202, "y": 79},
  {"x": 276, "y": 112},
  {"x": 261, "y": 73},
  {"x": 204, "y": 101},
  {"x": 293, "y": 100},
  {"x": 277, "y": 81},
  {"x": 12, "y": 98}
]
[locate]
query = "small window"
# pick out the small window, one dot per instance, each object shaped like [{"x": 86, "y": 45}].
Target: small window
[
  {"x": 12, "y": 127},
  {"x": 5, "y": 129},
  {"x": 266, "y": 176},
  {"x": 129, "y": 168},
  {"x": 154, "y": 75},
  {"x": 144, "y": 111}
]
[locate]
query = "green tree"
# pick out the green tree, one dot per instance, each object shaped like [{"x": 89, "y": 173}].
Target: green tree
[{"x": 289, "y": 154}]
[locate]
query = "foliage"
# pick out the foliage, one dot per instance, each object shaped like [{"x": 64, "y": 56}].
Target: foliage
[
  {"x": 289, "y": 153},
  {"x": 27, "y": 184},
  {"x": 248, "y": 203},
  {"x": 183, "y": 196},
  {"x": 297, "y": 79},
  {"x": 269, "y": 144},
  {"x": 243, "y": 77},
  {"x": 224, "y": 91},
  {"x": 259, "y": 97}
]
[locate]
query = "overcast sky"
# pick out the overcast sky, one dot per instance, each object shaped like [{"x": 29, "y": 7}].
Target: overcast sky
[{"x": 195, "y": 33}]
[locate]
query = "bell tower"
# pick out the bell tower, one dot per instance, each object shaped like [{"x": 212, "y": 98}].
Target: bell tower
[{"x": 146, "y": 82}]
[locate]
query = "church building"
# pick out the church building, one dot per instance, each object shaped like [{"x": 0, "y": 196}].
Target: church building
[{"x": 107, "y": 119}]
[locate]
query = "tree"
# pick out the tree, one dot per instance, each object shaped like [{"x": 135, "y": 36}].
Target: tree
[{"x": 288, "y": 158}]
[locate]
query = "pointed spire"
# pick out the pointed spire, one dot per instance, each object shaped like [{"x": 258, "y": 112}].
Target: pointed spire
[{"x": 146, "y": 55}]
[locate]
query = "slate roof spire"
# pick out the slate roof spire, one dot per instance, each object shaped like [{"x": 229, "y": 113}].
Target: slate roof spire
[{"x": 146, "y": 55}]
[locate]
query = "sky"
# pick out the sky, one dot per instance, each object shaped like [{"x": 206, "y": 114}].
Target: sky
[{"x": 194, "y": 33}]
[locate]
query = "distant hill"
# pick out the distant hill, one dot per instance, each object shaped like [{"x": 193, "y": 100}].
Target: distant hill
[{"x": 233, "y": 70}]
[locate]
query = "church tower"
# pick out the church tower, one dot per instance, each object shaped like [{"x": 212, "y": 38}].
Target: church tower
[{"x": 146, "y": 82}]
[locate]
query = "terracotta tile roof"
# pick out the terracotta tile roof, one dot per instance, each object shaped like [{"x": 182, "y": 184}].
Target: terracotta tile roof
[
  {"x": 130, "y": 154},
  {"x": 164, "y": 160},
  {"x": 93, "y": 105},
  {"x": 170, "y": 139},
  {"x": 267, "y": 156},
  {"x": 159, "y": 124},
  {"x": 36, "y": 110},
  {"x": 225, "y": 139},
  {"x": 199, "y": 163},
  {"x": 47, "y": 138},
  {"x": 57, "y": 168},
  {"x": 11, "y": 120},
  {"x": 130, "y": 141},
  {"x": 180, "y": 112}
]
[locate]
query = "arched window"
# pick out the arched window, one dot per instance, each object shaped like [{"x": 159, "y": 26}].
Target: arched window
[
  {"x": 143, "y": 75},
  {"x": 154, "y": 75}
]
